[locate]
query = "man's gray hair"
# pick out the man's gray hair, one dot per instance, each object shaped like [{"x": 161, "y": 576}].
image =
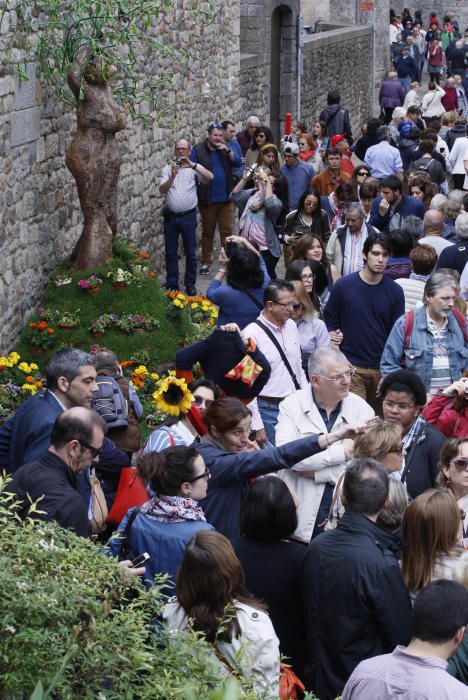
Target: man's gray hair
[
  {"x": 382, "y": 133},
  {"x": 252, "y": 119},
  {"x": 437, "y": 201},
  {"x": 355, "y": 206},
  {"x": 321, "y": 356},
  {"x": 437, "y": 280},
  {"x": 413, "y": 225},
  {"x": 457, "y": 196},
  {"x": 66, "y": 363},
  {"x": 461, "y": 225}
]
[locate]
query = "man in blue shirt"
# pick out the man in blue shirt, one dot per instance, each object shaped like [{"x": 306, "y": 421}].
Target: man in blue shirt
[
  {"x": 297, "y": 173},
  {"x": 360, "y": 314},
  {"x": 213, "y": 197},
  {"x": 390, "y": 210},
  {"x": 383, "y": 159}
]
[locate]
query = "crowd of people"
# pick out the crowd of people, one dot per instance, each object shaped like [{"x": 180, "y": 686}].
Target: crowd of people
[{"x": 315, "y": 508}]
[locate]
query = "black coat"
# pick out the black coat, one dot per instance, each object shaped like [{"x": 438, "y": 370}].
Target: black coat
[
  {"x": 273, "y": 574},
  {"x": 422, "y": 460},
  {"x": 355, "y": 602},
  {"x": 53, "y": 480}
]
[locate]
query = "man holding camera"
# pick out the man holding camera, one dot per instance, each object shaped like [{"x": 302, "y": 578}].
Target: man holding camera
[{"x": 178, "y": 183}]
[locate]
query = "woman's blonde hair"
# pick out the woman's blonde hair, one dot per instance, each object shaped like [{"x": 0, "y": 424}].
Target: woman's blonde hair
[
  {"x": 303, "y": 298},
  {"x": 378, "y": 440},
  {"x": 430, "y": 528},
  {"x": 414, "y": 85}
]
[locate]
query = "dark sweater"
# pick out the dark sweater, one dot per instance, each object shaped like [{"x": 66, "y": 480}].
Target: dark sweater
[
  {"x": 365, "y": 314},
  {"x": 52, "y": 480}
]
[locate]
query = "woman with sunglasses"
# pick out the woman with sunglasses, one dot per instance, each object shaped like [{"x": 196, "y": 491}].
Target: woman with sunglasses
[
  {"x": 403, "y": 398},
  {"x": 261, "y": 136},
  {"x": 178, "y": 479},
  {"x": 311, "y": 248},
  {"x": 187, "y": 429},
  {"x": 309, "y": 217},
  {"x": 308, "y": 151},
  {"x": 312, "y": 330},
  {"x": 454, "y": 476},
  {"x": 358, "y": 178}
]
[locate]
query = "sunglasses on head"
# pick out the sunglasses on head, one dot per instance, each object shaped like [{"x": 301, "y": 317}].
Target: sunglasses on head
[{"x": 215, "y": 125}]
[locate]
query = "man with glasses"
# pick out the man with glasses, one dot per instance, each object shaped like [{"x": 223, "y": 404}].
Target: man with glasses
[
  {"x": 277, "y": 338},
  {"x": 179, "y": 183},
  {"x": 328, "y": 180},
  {"x": 214, "y": 204},
  {"x": 344, "y": 247},
  {"x": 322, "y": 407},
  {"x": 360, "y": 314},
  {"x": 76, "y": 442}
]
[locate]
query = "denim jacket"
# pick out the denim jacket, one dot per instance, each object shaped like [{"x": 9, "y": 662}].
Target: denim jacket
[{"x": 419, "y": 355}]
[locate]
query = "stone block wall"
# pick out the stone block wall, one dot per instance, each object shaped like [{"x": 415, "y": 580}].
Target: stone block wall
[
  {"x": 40, "y": 219},
  {"x": 339, "y": 59}
]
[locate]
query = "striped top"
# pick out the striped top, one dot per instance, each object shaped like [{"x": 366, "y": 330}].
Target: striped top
[{"x": 441, "y": 376}]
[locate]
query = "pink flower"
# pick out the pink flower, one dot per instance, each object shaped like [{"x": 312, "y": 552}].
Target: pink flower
[{"x": 83, "y": 284}]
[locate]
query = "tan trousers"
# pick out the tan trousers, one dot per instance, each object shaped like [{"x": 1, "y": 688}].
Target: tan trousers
[
  {"x": 364, "y": 383},
  {"x": 212, "y": 214}
]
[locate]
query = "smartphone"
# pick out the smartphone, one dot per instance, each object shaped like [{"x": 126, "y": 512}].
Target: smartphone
[{"x": 141, "y": 560}]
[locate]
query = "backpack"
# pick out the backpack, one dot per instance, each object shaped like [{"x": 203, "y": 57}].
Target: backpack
[
  {"x": 110, "y": 403},
  {"x": 409, "y": 321}
]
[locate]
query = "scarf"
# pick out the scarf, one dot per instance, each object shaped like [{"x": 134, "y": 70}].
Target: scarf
[
  {"x": 305, "y": 155},
  {"x": 337, "y": 218},
  {"x": 172, "y": 509},
  {"x": 254, "y": 203},
  {"x": 421, "y": 278}
]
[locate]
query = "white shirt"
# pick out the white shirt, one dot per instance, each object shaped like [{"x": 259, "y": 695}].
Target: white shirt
[
  {"x": 182, "y": 194},
  {"x": 436, "y": 242},
  {"x": 458, "y": 154}
]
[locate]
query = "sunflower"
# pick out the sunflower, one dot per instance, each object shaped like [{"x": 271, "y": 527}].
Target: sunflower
[{"x": 173, "y": 396}]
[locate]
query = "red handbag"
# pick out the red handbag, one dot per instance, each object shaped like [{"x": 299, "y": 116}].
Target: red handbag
[{"x": 131, "y": 492}]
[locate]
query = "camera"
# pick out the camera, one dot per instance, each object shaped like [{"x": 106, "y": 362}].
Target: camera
[
  {"x": 230, "y": 245},
  {"x": 178, "y": 161}
]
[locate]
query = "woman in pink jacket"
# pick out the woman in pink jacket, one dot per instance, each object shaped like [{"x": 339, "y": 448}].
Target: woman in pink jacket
[{"x": 448, "y": 411}]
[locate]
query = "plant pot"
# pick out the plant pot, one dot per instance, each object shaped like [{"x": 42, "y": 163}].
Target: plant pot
[
  {"x": 120, "y": 286},
  {"x": 93, "y": 290},
  {"x": 67, "y": 329}
]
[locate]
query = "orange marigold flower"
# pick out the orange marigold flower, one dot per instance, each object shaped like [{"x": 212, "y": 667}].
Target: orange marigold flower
[
  {"x": 29, "y": 380},
  {"x": 50, "y": 331},
  {"x": 32, "y": 325},
  {"x": 41, "y": 325},
  {"x": 38, "y": 383},
  {"x": 151, "y": 274}
]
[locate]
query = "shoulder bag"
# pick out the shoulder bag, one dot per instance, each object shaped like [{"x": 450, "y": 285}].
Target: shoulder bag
[{"x": 281, "y": 352}]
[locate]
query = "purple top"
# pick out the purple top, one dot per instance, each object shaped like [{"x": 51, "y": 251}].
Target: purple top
[{"x": 402, "y": 675}]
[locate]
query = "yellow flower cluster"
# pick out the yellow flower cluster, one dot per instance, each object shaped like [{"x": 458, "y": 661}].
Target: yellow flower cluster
[
  {"x": 30, "y": 387},
  {"x": 177, "y": 302},
  {"x": 27, "y": 369},
  {"x": 9, "y": 361},
  {"x": 141, "y": 369},
  {"x": 154, "y": 376}
]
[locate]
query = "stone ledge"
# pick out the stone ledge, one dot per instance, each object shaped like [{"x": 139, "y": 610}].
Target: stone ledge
[
  {"x": 248, "y": 60},
  {"x": 335, "y": 36}
]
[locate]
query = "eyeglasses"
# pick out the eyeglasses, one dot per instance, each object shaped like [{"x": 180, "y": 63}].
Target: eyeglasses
[
  {"x": 206, "y": 475},
  {"x": 398, "y": 450},
  {"x": 94, "y": 450},
  {"x": 302, "y": 143},
  {"x": 460, "y": 464},
  {"x": 288, "y": 305},
  {"x": 310, "y": 204},
  {"x": 339, "y": 377},
  {"x": 400, "y": 406},
  {"x": 200, "y": 400},
  {"x": 260, "y": 136},
  {"x": 296, "y": 307},
  {"x": 310, "y": 276}
]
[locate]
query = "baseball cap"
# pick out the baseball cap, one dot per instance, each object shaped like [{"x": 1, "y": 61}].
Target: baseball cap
[{"x": 336, "y": 139}]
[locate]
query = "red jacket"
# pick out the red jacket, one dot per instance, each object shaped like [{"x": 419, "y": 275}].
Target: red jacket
[
  {"x": 450, "y": 99},
  {"x": 441, "y": 413}
]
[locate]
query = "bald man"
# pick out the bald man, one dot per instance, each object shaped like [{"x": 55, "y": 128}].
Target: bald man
[{"x": 433, "y": 225}]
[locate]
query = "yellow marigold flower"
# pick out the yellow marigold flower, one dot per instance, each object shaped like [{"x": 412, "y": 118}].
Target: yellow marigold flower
[
  {"x": 33, "y": 366},
  {"x": 171, "y": 373},
  {"x": 180, "y": 296},
  {"x": 154, "y": 376},
  {"x": 30, "y": 387},
  {"x": 24, "y": 367},
  {"x": 14, "y": 357},
  {"x": 141, "y": 369},
  {"x": 3, "y": 361},
  {"x": 194, "y": 305}
]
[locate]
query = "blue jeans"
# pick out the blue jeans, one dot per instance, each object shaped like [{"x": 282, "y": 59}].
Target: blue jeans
[
  {"x": 186, "y": 226},
  {"x": 406, "y": 82},
  {"x": 269, "y": 413}
]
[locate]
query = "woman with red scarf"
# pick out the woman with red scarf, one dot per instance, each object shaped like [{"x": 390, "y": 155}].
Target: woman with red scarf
[{"x": 308, "y": 151}]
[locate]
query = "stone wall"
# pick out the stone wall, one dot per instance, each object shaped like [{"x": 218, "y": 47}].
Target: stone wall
[
  {"x": 40, "y": 217},
  {"x": 339, "y": 59}
]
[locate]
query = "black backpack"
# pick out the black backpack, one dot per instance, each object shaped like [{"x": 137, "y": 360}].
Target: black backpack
[{"x": 110, "y": 402}]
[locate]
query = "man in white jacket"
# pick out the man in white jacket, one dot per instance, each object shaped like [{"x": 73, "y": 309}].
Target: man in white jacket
[{"x": 323, "y": 406}]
